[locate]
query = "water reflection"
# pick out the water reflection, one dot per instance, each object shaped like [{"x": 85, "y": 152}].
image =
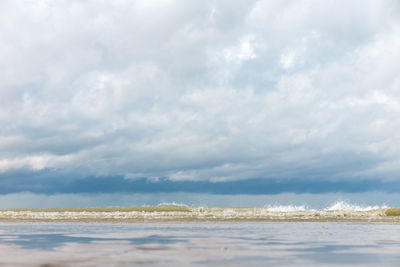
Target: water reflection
[
  {"x": 51, "y": 241},
  {"x": 185, "y": 244}
]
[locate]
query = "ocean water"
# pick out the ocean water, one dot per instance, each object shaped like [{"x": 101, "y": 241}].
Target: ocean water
[{"x": 179, "y": 235}]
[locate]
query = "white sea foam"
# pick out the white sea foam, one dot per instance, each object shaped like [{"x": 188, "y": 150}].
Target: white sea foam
[
  {"x": 344, "y": 206},
  {"x": 339, "y": 205},
  {"x": 172, "y": 204},
  {"x": 285, "y": 208}
]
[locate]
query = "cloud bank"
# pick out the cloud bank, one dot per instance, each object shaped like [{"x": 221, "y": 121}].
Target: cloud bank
[
  {"x": 200, "y": 91},
  {"x": 50, "y": 182}
]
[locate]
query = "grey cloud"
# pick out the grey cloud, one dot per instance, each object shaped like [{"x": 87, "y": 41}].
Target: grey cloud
[{"x": 208, "y": 90}]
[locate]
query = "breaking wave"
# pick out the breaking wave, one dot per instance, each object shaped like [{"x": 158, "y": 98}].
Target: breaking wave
[
  {"x": 339, "y": 211},
  {"x": 283, "y": 208},
  {"x": 342, "y": 205}
]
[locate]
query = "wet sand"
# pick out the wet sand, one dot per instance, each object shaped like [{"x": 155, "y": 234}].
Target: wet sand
[{"x": 200, "y": 244}]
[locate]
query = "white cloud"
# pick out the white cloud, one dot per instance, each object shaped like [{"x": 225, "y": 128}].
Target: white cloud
[
  {"x": 201, "y": 90},
  {"x": 241, "y": 52}
]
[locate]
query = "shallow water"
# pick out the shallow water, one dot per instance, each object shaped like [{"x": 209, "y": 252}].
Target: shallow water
[{"x": 200, "y": 244}]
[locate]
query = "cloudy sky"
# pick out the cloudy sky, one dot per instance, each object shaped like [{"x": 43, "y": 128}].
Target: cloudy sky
[{"x": 222, "y": 97}]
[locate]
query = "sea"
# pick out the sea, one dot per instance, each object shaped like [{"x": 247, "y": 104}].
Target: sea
[{"x": 179, "y": 235}]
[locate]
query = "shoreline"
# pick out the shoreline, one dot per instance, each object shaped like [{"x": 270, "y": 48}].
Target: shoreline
[{"x": 181, "y": 213}]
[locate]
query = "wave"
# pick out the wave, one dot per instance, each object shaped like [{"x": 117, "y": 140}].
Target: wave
[
  {"x": 339, "y": 211},
  {"x": 285, "y": 208},
  {"x": 342, "y": 205}
]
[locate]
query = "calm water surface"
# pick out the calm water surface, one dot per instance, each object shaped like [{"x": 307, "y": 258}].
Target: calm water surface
[{"x": 200, "y": 244}]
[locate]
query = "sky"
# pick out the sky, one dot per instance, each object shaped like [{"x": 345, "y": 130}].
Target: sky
[{"x": 232, "y": 100}]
